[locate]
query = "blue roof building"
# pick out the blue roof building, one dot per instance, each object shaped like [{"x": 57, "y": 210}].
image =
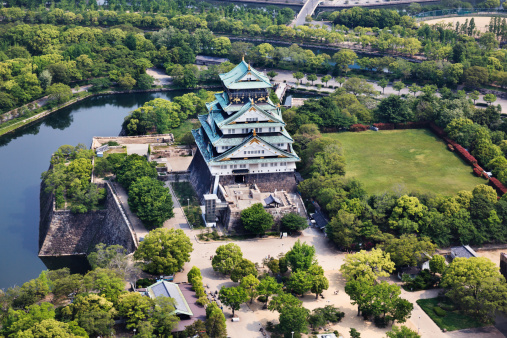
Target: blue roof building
[{"x": 243, "y": 132}]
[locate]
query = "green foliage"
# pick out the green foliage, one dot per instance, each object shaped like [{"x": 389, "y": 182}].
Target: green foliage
[
  {"x": 242, "y": 269},
  {"x": 476, "y": 286},
  {"x": 226, "y": 258},
  {"x": 103, "y": 255},
  {"x": 293, "y": 319},
  {"x": 439, "y": 311},
  {"x": 164, "y": 251},
  {"x": 299, "y": 282},
  {"x": 367, "y": 266},
  {"x": 408, "y": 250},
  {"x": 134, "y": 167},
  {"x": 135, "y": 308},
  {"x": 437, "y": 264},
  {"x": 151, "y": 201},
  {"x": 301, "y": 256},
  {"x": 233, "y": 297},
  {"x": 267, "y": 287},
  {"x": 283, "y": 300},
  {"x": 256, "y": 219},
  {"x": 402, "y": 332},
  {"x": 59, "y": 92},
  {"x": 293, "y": 222}
]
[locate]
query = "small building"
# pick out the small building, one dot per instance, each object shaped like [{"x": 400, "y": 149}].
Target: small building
[
  {"x": 209, "y": 60},
  {"x": 464, "y": 251},
  {"x": 185, "y": 301},
  {"x": 412, "y": 271}
]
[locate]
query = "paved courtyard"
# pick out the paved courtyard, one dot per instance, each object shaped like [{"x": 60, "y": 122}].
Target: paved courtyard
[{"x": 252, "y": 316}]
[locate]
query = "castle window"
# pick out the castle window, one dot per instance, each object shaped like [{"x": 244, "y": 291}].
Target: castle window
[
  {"x": 283, "y": 164},
  {"x": 231, "y": 131},
  {"x": 234, "y": 166},
  {"x": 272, "y": 129},
  {"x": 223, "y": 167},
  {"x": 252, "y": 119},
  {"x": 274, "y": 164},
  {"x": 242, "y": 166},
  {"x": 264, "y": 165}
]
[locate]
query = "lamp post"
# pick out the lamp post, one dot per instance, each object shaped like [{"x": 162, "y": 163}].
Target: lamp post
[
  {"x": 188, "y": 203},
  {"x": 134, "y": 332},
  {"x": 419, "y": 324},
  {"x": 292, "y": 333}
]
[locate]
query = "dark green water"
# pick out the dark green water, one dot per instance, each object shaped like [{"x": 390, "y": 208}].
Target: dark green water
[{"x": 25, "y": 154}]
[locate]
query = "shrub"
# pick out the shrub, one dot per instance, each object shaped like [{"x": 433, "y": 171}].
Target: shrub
[
  {"x": 439, "y": 311},
  {"x": 262, "y": 299},
  {"x": 447, "y": 307},
  {"x": 380, "y": 321},
  {"x": 358, "y": 127},
  {"x": 203, "y": 301}
]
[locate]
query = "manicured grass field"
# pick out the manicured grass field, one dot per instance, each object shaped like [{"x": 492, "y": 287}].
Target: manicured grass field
[
  {"x": 414, "y": 159},
  {"x": 453, "y": 320}
]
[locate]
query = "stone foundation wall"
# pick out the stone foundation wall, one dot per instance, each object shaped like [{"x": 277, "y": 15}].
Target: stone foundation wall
[
  {"x": 64, "y": 236},
  {"x": 503, "y": 264},
  {"x": 266, "y": 182},
  {"x": 200, "y": 176}
]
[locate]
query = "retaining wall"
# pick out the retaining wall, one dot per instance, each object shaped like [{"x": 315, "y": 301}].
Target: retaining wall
[{"x": 66, "y": 238}]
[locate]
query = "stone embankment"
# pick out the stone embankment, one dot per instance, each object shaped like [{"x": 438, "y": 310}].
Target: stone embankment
[{"x": 65, "y": 237}]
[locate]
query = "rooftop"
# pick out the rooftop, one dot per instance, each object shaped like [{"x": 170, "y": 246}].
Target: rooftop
[
  {"x": 244, "y": 77},
  {"x": 172, "y": 290},
  {"x": 463, "y": 251},
  {"x": 242, "y": 196}
]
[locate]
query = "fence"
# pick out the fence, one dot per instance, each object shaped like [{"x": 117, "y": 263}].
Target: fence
[{"x": 458, "y": 12}]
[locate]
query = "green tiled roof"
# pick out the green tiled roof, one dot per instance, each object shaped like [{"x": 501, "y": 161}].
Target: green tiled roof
[
  {"x": 244, "y": 109},
  {"x": 259, "y": 138},
  {"x": 226, "y": 141},
  {"x": 251, "y": 125},
  {"x": 231, "y": 79}
]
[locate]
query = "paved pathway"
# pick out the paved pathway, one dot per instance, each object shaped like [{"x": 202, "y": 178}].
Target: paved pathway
[
  {"x": 139, "y": 228},
  {"x": 284, "y": 75},
  {"x": 308, "y": 9}
]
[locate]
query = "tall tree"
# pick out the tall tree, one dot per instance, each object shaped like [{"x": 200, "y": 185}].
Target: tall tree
[
  {"x": 301, "y": 256},
  {"x": 233, "y": 297},
  {"x": 256, "y": 219},
  {"x": 367, "y": 266},
  {"x": 226, "y": 258}
]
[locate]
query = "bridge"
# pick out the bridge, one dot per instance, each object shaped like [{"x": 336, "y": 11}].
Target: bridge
[{"x": 308, "y": 9}]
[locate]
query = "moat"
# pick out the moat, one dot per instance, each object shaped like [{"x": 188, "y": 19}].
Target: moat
[{"x": 25, "y": 155}]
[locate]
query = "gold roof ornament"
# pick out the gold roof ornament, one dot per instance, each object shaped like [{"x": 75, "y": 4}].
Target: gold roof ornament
[
  {"x": 254, "y": 133},
  {"x": 249, "y": 66},
  {"x": 278, "y": 105},
  {"x": 251, "y": 100},
  {"x": 243, "y": 57}
]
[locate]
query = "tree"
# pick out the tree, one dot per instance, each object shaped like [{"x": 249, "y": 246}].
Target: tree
[
  {"x": 226, "y": 258},
  {"x": 475, "y": 76},
  {"x": 340, "y": 80},
  {"x": 93, "y": 313},
  {"x": 414, "y": 89},
  {"x": 293, "y": 319},
  {"x": 103, "y": 255},
  {"x": 151, "y": 201},
  {"x": 312, "y": 77},
  {"x": 298, "y": 76},
  {"x": 393, "y": 109},
  {"x": 45, "y": 79},
  {"x": 293, "y": 222},
  {"x": 383, "y": 84},
  {"x": 145, "y": 81},
  {"x": 196, "y": 329},
  {"x": 283, "y": 300},
  {"x": 402, "y": 332},
  {"x": 106, "y": 282},
  {"x": 367, "y": 266},
  {"x": 59, "y": 92},
  {"x": 319, "y": 284},
  {"x": 408, "y": 250},
  {"x": 476, "y": 286},
  {"x": 163, "y": 318},
  {"x": 299, "y": 282},
  {"x": 353, "y": 332},
  {"x": 135, "y": 308},
  {"x": 233, "y": 297},
  {"x": 267, "y": 287},
  {"x": 326, "y": 79},
  {"x": 437, "y": 264},
  {"x": 132, "y": 168},
  {"x": 256, "y": 219},
  {"x": 243, "y": 269},
  {"x": 126, "y": 82},
  {"x": 344, "y": 58},
  {"x": 271, "y": 74},
  {"x": 215, "y": 322},
  {"x": 474, "y": 95},
  {"x": 398, "y": 85},
  {"x": 358, "y": 86},
  {"x": 250, "y": 284},
  {"x": 50, "y": 328},
  {"x": 301, "y": 256},
  {"x": 164, "y": 251},
  {"x": 489, "y": 98}
]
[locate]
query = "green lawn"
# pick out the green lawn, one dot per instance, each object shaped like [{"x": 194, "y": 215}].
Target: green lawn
[
  {"x": 416, "y": 159},
  {"x": 453, "y": 320}
]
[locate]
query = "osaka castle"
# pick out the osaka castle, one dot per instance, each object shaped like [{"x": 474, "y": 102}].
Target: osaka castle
[{"x": 243, "y": 136}]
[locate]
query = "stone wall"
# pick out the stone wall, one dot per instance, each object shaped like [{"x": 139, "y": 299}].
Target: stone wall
[
  {"x": 266, "y": 182},
  {"x": 200, "y": 176},
  {"x": 65, "y": 237},
  {"x": 503, "y": 264}
]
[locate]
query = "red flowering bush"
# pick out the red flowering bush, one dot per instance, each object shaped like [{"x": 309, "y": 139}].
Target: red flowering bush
[
  {"x": 358, "y": 127},
  {"x": 499, "y": 187}
]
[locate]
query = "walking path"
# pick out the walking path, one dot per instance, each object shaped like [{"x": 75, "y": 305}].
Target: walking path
[
  {"x": 138, "y": 226},
  {"x": 308, "y": 9},
  {"x": 284, "y": 75}
]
